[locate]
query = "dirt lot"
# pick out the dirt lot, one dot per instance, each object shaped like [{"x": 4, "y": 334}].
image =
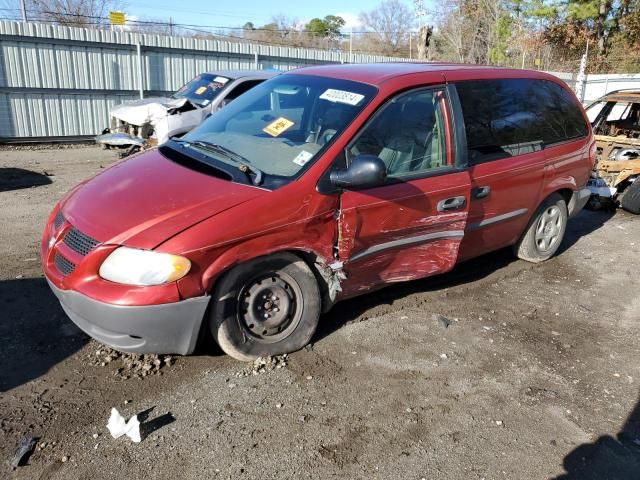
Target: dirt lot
[{"x": 535, "y": 377}]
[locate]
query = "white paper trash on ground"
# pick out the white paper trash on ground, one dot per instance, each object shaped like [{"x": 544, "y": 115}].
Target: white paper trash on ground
[{"x": 118, "y": 426}]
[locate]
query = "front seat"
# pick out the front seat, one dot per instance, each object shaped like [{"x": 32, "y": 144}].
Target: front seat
[{"x": 407, "y": 144}]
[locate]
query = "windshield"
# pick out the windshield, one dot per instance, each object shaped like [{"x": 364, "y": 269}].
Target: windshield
[
  {"x": 281, "y": 126},
  {"x": 202, "y": 89}
]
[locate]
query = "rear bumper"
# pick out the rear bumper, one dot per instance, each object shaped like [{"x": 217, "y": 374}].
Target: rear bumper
[
  {"x": 166, "y": 328},
  {"x": 579, "y": 199}
]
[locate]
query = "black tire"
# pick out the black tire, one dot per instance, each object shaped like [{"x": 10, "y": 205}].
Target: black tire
[
  {"x": 282, "y": 289},
  {"x": 545, "y": 231},
  {"x": 631, "y": 198}
]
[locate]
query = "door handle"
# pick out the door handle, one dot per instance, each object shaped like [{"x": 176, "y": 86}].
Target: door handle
[
  {"x": 452, "y": 203},
  {"x": 480, "y": 192}
]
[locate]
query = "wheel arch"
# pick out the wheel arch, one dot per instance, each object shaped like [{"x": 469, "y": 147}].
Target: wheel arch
[
  {"x": 564, "y": 185},
  {"x": 316, "y": 261},
  {"x": 566, "y": 193}
]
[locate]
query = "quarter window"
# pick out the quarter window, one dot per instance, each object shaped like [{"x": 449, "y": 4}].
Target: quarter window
[
  {"x": 504, "y": 118},
  {"x": 408, "y": 134}
]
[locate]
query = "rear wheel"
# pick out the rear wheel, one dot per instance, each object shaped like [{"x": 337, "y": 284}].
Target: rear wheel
[
  {"x": 267, "y": 306},
  {"x": 631, "y": 198},
  {"x": 545, "y": 231}
]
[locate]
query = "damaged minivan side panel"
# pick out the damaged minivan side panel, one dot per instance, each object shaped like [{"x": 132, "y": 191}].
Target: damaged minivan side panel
[{"x": 412, "y": 226}]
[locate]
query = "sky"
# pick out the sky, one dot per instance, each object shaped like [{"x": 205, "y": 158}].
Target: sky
[{"x": 234, "y": 13}]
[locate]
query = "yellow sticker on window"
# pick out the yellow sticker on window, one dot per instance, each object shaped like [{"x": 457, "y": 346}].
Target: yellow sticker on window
[
  {"x": 201, "y": 90},
  {"x": 278, "y": 126}
]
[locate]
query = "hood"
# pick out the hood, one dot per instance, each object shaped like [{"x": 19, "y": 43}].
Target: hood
[
  {"x": 146, "y": 199},
  {"x": 147, "y": 110}
]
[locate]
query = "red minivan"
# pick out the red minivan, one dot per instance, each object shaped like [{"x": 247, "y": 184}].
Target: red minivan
[{"x": 315, "y": 186}]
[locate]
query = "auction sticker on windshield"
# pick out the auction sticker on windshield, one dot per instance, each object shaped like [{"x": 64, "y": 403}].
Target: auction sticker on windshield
[
  {"x": 342, "y": 96},
  {"x": 278, "y": 126},
  {"x": 302, "y": 158},
  {"x": 201, "y": 90},
  {"x": 221, "y": 80}
]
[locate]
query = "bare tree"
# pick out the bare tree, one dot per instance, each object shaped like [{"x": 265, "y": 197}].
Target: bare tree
[
  {"x": 466, "y": 29},
  {"x": 389, "y": 25},
  {"x": 72, "y": 12}
]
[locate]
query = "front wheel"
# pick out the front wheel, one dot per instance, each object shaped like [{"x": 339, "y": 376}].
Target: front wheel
[
  {"x": 545, "y": 231},
  {"x": 267, "y": 306}
]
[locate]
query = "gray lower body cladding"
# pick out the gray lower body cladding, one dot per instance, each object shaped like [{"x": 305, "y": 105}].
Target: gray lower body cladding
[
  {"x": 578, "y": 200},
  {"x": 165, "y": 328}
]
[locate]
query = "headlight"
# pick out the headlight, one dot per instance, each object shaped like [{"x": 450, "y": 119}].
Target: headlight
[{"x": 143, "y": 267}]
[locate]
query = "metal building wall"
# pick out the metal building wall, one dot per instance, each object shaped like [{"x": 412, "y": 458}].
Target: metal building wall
[{"x": 62, "y": 81}]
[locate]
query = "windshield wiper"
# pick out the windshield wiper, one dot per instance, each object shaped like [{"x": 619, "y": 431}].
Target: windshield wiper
[{"x": 243, "y": 164}]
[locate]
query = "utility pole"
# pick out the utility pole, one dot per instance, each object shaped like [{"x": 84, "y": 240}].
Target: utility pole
[
  {"x": 23, "y": 7},
  {"x": 410, "y": 53},
  {"x": 581, "y": 80},
  {"x": 170, "y": 26},
  {"x": 351, "y": 46}
]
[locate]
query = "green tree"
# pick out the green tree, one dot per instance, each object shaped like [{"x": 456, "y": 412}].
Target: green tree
[
  {"x": 327, "y": 27},
  {"x": 602, "y": 19}
]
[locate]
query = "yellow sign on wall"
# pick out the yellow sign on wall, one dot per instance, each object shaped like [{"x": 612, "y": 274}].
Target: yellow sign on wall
[{"x": 116, "y": 18}]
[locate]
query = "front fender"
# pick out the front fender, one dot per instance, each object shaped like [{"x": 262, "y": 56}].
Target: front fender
[{"x": 314, "y": 236}]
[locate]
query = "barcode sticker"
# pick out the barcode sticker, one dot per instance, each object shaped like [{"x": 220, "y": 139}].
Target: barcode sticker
[{"x": 342, "y": 96}]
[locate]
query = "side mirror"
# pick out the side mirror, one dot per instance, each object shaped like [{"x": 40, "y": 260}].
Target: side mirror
[{"x": 365, "y": 171}]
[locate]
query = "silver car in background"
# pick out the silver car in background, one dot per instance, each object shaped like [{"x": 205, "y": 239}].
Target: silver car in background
[{"x": 152, "y": 121}]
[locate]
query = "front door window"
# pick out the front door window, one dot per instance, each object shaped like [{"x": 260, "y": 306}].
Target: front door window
[{"x": 408, "y": 134}]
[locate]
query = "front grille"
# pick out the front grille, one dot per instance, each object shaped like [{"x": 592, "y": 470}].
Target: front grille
[
  {"x": 63, "y": 265},
  {"x": 58, "y": 220},
  {"x": 79, "y": 242}
]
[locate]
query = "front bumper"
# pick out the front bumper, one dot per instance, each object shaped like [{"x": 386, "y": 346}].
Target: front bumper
[
  {"x": 579, "y": 199},
  {"x": 165, "y": 328},
  {"x": 119, "y": 139}
]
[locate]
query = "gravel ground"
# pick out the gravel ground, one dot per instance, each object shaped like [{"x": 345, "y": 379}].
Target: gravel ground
[{"x": 499, "y": 369}]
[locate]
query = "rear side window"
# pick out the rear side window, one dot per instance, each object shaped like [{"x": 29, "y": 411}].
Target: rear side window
[
  {"x": 242, "y": 88},
  {"x": 504, "y": 118}
]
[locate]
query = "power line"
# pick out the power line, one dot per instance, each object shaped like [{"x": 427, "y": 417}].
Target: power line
[
  {"x": 213, "y": 27},
  {"x": 206, "y": 32}
]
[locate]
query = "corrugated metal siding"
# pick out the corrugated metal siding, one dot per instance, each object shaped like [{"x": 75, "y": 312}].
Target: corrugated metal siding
[
  {"x": 44, "y": 115},
  {"x": 77, "y": 64}
]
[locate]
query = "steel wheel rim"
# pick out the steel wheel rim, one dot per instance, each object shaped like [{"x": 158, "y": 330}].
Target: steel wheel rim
[
  {"x": 270, "y": 307},
  {"x": 549, "y": 228}
]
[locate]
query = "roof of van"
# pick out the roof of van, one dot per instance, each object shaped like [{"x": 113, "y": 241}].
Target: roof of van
[{"x": 377, "y": 73}]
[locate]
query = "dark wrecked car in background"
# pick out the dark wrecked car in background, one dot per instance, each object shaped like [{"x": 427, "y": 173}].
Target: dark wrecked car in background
[
  {"x": 152, "y": 121},
  {"x": 615, "y": 119}
]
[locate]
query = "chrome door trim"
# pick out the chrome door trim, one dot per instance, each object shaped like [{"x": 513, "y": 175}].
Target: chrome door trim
[
  {"x": 452, "y": 234},
  {"x": 497, "y": 219}
]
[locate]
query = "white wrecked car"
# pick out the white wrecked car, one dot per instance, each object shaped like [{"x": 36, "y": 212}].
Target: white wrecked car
[{"x": 152, "y": 121}]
